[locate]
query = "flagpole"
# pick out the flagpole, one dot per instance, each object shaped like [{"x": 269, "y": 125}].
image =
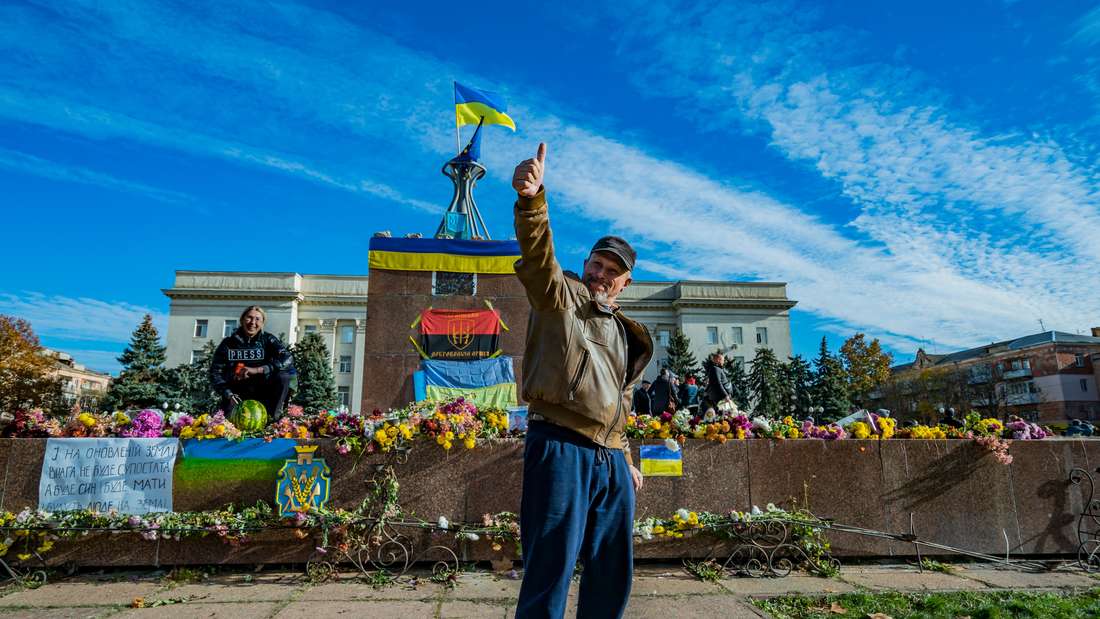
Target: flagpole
[{"x": 458, "y": 140}]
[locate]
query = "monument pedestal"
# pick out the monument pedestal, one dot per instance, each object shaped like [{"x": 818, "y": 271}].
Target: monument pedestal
[{"x": 396, "y": 298}]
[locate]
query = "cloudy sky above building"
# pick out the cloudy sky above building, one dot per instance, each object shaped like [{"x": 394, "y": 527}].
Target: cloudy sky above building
[{"x": 926, "y": 173}]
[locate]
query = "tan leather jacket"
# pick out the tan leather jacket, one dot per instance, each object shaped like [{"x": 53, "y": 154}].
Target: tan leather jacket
[{"x": 581, "y": 361}]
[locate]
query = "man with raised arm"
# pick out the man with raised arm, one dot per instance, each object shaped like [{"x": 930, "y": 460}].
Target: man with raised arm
[{"x": 582, "y": 359}]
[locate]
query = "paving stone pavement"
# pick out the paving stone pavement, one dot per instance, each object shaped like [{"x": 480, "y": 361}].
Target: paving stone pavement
[{"x": 659, "y": 591}]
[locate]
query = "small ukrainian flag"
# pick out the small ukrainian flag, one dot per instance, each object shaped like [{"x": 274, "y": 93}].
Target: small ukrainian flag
[
  {"x": 660, "y": 461},
  {"x": 472, "y": 105}
]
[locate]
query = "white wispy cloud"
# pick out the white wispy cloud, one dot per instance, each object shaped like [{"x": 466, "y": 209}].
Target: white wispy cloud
[
  {"x": 79, "y": 318},
  {"x": 24, "y": 163},
  {"x": 1087, "y": 28},
  {"x": 232, "y": 89},
  {"x": 979, "y": 234},
  {"x": 962, "y": 234}
]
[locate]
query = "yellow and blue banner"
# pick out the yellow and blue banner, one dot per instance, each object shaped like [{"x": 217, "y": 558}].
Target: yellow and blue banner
[
  {"x": 660, "y": 461},
  {"x": 208, "y": 463},
  {"x": 473, "y": 106},
  {"x": 455, "y": 255},
  {"x": 485, "y": 382}
]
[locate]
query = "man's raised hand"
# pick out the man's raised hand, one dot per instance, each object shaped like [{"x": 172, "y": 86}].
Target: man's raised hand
[{"x": 527, "y": 178}]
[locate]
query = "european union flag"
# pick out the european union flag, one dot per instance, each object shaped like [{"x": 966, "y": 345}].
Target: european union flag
[{"x": 474, "y": 106}]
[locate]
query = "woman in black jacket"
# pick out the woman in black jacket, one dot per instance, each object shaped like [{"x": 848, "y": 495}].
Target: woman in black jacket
[{"x": 252, "y": 364}]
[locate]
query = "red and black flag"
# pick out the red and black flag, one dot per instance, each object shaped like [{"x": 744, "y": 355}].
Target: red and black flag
[{"x": 459, "y": 334}]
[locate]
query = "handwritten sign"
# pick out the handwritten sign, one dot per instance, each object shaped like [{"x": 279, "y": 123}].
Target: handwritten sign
[{"x": 126, "y": 475}]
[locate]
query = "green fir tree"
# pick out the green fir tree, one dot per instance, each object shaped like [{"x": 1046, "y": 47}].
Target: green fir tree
[
  {"x": 739, "y": 384},
  {"x": 316, "y": 385},
  {"x": 765, "y": 380},
  {"x": 800, "y": 382},
  {"x": 680, "y": 360},
  {"x": 190, "y": 383},
  {"x": 141, "y": 382},
  {"x": 830, "y": 390}
]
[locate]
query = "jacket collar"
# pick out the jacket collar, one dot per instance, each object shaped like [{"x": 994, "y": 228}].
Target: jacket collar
[{"x": 244, "y": 339}]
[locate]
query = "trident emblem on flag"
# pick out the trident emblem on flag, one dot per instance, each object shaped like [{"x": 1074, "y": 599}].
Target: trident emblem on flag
[{"x": 460, "y": 332}]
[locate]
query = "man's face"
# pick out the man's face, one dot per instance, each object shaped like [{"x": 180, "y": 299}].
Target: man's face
[
  {"x": 253, "y": 323},
  {"x": 719, "y": 360},
  {"x": 605, "y": 277}
]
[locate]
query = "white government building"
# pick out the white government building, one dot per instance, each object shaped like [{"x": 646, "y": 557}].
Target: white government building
[{"x": 735, "y": 317}]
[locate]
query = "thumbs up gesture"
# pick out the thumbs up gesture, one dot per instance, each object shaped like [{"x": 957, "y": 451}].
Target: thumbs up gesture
[{"x": 527, "y": 179}]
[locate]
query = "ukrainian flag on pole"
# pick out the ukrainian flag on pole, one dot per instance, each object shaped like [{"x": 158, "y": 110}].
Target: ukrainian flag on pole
[{"x": 472, "y": 105}]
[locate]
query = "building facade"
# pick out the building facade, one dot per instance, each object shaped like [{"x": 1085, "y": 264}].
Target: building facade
[
  {"x": 1048, "y": 377},
  {"x": 736, "y": 318},
  {"x": 79, "y": 385},
  {"x": 205, "y": 307}
]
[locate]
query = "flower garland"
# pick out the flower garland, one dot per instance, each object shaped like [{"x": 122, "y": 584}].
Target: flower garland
[
  {"x": 33, "y": 533},
  {"x": 459, "y": 423}
]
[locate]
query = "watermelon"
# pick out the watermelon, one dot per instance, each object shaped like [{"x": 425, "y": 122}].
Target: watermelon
[{"x": 249, "y": 416}]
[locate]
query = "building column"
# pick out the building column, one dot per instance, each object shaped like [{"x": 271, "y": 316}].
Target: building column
[
  {"x": 357, "y": 365},
  {"x": 329, "y": 329}
]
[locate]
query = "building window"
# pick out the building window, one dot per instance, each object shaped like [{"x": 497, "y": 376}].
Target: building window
[
  {"x": 344, "y": 393},
  {"x": 737, "y": 336},
  {"x": 1084, "y": 384},
  {"x": 448, "y": 283},
  {"x": 1079, "y": 360},
  {"x": 200, "y": 328},
  {"x": 662, "y": 338},
  {"x": 230, "y": 327},
  {"x": 347, "y": 334},
  {"x": 712, "y": 335},
  {"x": 345, "y": 364},
  {"x": 762, "y": 335},
  {"x": 196, "y": 355}
]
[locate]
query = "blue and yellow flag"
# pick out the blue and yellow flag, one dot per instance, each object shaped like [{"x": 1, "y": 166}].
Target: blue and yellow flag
[
  {"x": 472, "y": 105},
  {"x": 485, "y": 382},
  {"x": 660, "y": 461},
  {"x": 456, "y": 255}
]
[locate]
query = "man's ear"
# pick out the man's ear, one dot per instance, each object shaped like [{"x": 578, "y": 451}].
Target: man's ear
[{"x": 627, "y": 282}]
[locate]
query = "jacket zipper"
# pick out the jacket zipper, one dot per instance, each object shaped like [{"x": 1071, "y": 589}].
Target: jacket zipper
[
  {"x": 577, "y": 378},
  {"x": 626, "y": 376}
]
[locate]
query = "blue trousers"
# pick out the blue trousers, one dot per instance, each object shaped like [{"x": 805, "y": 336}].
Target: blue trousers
[{"x": 578, "y": 504}]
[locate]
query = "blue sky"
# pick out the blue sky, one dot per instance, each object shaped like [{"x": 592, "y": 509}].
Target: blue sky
[{"x": 926, "y": 173}]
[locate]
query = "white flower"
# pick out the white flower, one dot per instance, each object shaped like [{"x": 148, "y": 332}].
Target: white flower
[
  {"x": 710, "y": 415},
  {"x": 165, "y": 407},
  {"x": 771, "y": 507},
  {"x": 756, "y": 511},
  {"x": 443, "y": 523},
  {"x": 683, "y": 513},
  {"x": 672, "y": 445},
  {"x": 471, "y": 536},
  {"x": 682, "y": 419},
  {"x": 646, "y": 532},
  {"x": 759, "y": 423}
]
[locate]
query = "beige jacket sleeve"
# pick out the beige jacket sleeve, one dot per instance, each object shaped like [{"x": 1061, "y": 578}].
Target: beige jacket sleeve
[{"x": 537, "y": 267}]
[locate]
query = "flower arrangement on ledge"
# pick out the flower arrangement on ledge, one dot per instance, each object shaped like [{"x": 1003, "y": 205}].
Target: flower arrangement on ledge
[
  {"x": 33, "y": 533},
  {"x": 458, "y": 423}
]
